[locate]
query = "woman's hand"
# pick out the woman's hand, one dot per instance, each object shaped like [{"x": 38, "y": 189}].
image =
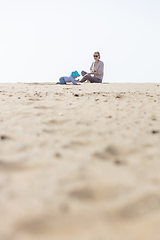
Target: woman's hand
[{"x": 90, "y": 73}]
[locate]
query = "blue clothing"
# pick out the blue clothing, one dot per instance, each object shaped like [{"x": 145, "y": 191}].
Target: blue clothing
[{"x": 63, "y": 80}]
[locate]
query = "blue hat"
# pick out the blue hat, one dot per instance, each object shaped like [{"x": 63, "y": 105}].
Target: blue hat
[{"x": 75, "y": 74}]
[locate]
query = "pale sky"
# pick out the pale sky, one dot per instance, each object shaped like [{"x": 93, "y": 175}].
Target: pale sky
[{"x": 43, "y": 40}]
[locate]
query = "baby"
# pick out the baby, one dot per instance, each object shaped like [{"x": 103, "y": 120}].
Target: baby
[{"x": 64, "y": 80}]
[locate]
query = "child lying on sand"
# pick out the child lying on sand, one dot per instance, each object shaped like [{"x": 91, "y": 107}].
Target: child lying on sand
[{"x": 71, "y": 78}]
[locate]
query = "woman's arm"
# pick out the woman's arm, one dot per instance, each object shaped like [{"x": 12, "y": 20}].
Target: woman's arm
[{"x": 91, "y": 68}]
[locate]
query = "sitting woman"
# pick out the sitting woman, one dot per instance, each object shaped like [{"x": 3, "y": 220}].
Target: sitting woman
[{"x": 96, "y": 70}]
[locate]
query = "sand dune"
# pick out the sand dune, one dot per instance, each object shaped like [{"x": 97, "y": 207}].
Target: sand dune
[{"x": 79, "y": 162}]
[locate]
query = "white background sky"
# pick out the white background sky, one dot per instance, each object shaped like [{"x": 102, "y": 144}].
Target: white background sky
[{"x": 42, "y": 40}]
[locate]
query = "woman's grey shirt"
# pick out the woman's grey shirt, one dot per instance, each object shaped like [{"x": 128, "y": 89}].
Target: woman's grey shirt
[{"x": 99, "y": 68}]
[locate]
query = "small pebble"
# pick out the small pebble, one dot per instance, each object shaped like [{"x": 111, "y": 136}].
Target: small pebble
[
  {"x": 118, "y": 162},
  {"x": 58, "y": 155},
  {"x": 155, "y": 131},
  {"x": 3, "y": 137}
]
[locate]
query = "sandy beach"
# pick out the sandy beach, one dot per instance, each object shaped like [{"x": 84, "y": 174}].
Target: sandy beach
[{"x": 79, "y": 162}]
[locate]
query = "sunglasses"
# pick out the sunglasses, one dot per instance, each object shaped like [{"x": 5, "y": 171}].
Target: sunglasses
[{"x": 95, "y": 55}]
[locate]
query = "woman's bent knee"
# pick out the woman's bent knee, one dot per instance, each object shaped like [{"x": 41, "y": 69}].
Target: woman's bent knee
[{"x": 83, "y": 73}]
